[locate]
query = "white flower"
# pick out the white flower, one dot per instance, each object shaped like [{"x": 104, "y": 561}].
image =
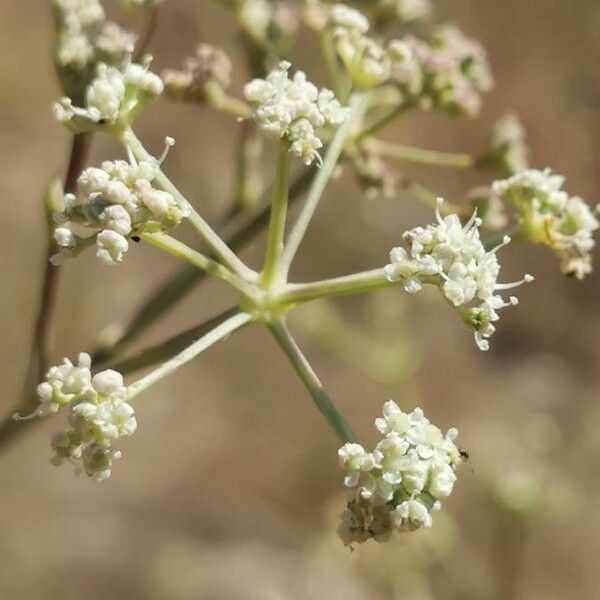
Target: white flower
[
  {"x": 348, "y": 18},
  {"x": 115, "y": 217},
  {"x": 366, "y": 61},
  {"x": 550, "y": 216},
  {"x": 256, "y": 16},
  {"x": 293, "y": 109},
  {"x": 507, "y": 144},
  {"x": 108, "y": 382},
  {"x": 411, "y": 515},
  {"x": 410, "y": 10},
  {"x": 453, "y": 257},
  {"x": 82, "y": 12},
  {"x": 112, "y": 95},
  {"x": 112, "y": 40},
  {"x": 64, "y": 237},
  {"x": 399, "y": 484},
  {"x": 354, "y": 459},
  {"x": 99, "y": 415},
  {"x": 111, "y": 247},
  {"x": 117, "y": 200},
  {"x": 449, "y": 72}
]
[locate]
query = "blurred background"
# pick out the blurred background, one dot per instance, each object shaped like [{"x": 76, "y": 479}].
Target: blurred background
[{"x": 230, "y": 488}]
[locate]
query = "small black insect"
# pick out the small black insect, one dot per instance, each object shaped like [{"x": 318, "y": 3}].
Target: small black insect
[
  {"x": 463, "y": 454},
  {"x": 135, "y": 238}
]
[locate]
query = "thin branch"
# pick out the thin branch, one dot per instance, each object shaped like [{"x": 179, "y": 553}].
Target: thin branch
[
  {"x": 176, "y": 286},
  {"x": 429, "y": 198},
  {"x": 42, "y": 338},
  {"x": 382, "y": 121},
  {"x": 206, "y": 232},
  {"x": 357, "y": 283},
  {"x": 148, "y": 34},
  {"x": 306, "y": 373},
  {"x": 200, "y": 261},
  {"x": 358, "y": 105},
  {"x": 423, "y": 156},
  {"x": 279, "y": 207},
  {"x": 159, "y": 352},
  {"x": 206, "y": 341}
]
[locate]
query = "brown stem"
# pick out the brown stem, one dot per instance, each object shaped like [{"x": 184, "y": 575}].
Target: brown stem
[
  {"x": 146, "y": 37},
  {"x": 41, "y": 340},
  {"x": 44, "y": 327}
]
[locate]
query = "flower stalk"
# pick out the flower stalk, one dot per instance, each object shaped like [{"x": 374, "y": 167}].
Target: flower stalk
[
  {"x": 206, "y": 232},
  {"x": 279, "y": 208},
  {"x": 312, "y": 383},
  {"x": 220, "y": 332},
  {"x": 358, "y": 104}
]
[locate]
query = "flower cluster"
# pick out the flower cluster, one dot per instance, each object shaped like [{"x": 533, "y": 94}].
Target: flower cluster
[
  {"x": 397, "y": 485},
  {"x": 449, "y": 72},
  {"x": 550, "y": 216},
  {"x": 120, "y": 200},
  {"x": 366, "y": 61},
  {"x": 507, "y": 144},
  {"x": 99, "y": 415},
  {"x": 453, "y": 257},
  {"x": 453, "y": 72},
  {"x": 113, "y": 96},
  {"x": 209, "y": 67},
  {"x": 293, "y": 109},
  {"x": 83, "y": 39}
]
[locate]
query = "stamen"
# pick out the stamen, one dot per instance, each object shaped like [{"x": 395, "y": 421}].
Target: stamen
[
  {"x": 505, "y": 241},
  {"x": 169, "y": 143},
  {"x": 438, "y": 215},
  {"x": 472, "y": 221},
  {"x": 507, "y": 286}
]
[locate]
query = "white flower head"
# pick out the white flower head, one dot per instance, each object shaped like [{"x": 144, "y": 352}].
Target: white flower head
[
  {"x": 294, "y": 109},
  {"x": 410, "y": 10},
  {"x": 507, "y": 144},
  {"x": 452, "y": 256},
  {"x": 367, "y": 61},
  {"x": 550, "y": 216},
  {"x": 111, "y": 246},
  {"x": 99, "y": 415},
  {"x": 398, "y": 485},
  {"x": 113, "y": 95},
  {"x": 453, "y": 72},
  {"x": 344, "y": 17},
  {"x": 117, "y": 200}
]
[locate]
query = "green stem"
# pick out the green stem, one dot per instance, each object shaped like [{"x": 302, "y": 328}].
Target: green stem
[
  {"x": 357, "y": 283},
  {"x": 180, "y": 250},
  {"x": 422, "y": 155},
  {"x": 210, "y": 237},
  {"x": 176, "y": 286},
  {"x": 331, "y": 63},
  {"x": 358, "y": 104},
  {"x": 160, "y": 352},
  {"x": 278, "y": 215},
  {"x": 204, "y": 342},
  {"x": 428, "y": 198},
  {"x": 381, "y": 122},
  {"x": 311, "y": 381}
]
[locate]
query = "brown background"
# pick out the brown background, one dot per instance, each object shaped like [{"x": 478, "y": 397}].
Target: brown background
[{"x": 228, "y": 489}]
